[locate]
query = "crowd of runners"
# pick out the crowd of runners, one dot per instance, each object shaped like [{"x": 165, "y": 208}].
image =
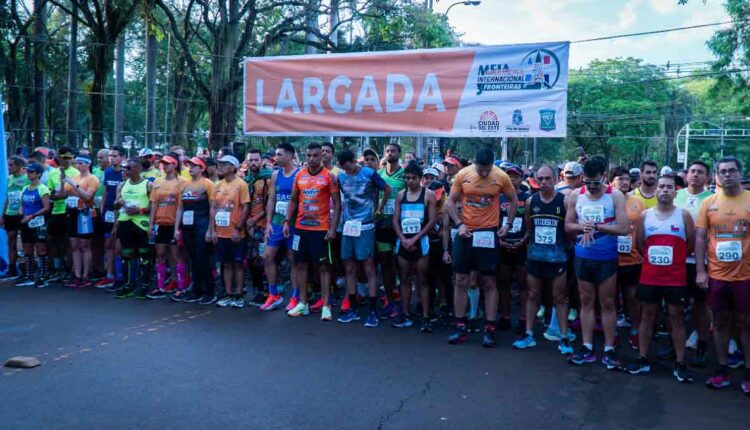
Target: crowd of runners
[{"x": 583, "y": 247}]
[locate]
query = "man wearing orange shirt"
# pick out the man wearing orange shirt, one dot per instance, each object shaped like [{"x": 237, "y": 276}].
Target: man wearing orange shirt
[
  {"x": 229, "y": 209},
  {"x": 478, "y": 188},
  {"x": 722, "y": 236}
]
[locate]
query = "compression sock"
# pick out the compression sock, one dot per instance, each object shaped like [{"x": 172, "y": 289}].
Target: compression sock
[
  {"x": 28, "y": 266},
  {"x": 295, "y": 293},
  {"x": 272, "y": 290},
  {"x": 473, "y": 302},
  {"x": 181, "y": 276},
  {"x": 119, "y": 270},
  {"x": 43, "y": 266},
  {"x": 161, "y": 275},
  {"x": 554, "y": 325}
]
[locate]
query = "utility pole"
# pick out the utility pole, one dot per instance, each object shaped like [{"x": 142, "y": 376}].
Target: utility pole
[{"x": 721, "y": 143}]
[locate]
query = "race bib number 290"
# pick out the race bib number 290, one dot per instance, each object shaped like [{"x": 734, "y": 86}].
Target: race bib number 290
[{"x": 729, "y": 251}]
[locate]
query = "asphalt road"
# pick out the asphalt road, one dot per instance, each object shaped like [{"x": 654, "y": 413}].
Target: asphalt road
[{"x": 131, "y": 364}]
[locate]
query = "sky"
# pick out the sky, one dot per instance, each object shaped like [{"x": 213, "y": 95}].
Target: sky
[{"x": 500, "y": 22}]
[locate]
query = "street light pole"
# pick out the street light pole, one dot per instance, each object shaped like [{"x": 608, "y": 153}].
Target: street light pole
[{"x": 465, "y": 3}]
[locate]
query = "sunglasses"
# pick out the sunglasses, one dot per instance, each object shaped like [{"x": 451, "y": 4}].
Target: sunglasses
[
  {"x": 590, "y": 182},
  {"x": 66, "y": 157},
  {"x": 126, "y": 167}
]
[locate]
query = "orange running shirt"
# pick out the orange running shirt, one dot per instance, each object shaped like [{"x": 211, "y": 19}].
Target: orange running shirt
[
  {"x": 727, "y": 219},
  {"x": 481, "y": 196},
  {"x": 89, "y": 184},
  {"x": 258, "y": 202},
  {"x": 165, "y": 195},
  {"x": 633, "y": 208},
  {"x": 229, "y": 197},
  {"x": 314, "y": 199}
]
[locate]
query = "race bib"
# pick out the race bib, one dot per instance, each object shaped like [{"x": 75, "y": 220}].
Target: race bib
[
  {"x": 353, "y": 228},
  {"x": 389, "y": 207},
  {"x": 729, "y": 251},
  {"x": 624, "y": 244},
  {"x": 295, "y": 243},
  {"x": 98, "y": 200},
  {"x": 37, "y": 221},
  {"x": 454, "y": 233},
  {"x": 483, "y": 239},
  {"x": 545, "y": 235},
  {"x": 517, "y": 224},
  {"x": 261, "y": 248},
  {"x": 14, "y": 201},
  {"x": 109, "y": 217},
  {"x": 660, "y": 255},
  {"x": 222, "y": 219},
  {"x": 187, "y": 218},
  {"x": 593, "y": 214},
  {"x": 411, "y": 225},
  {"x": 281, "y": 208},
  {"x": 71, "y": 202}
]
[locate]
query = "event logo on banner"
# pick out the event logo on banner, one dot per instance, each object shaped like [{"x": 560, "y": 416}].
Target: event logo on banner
[{"x": 496, "y": 91}]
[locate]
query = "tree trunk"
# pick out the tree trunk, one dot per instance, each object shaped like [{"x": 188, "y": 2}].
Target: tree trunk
[
  {"x": 72, "y": 118},
  {"x": 102, "y": 56},
  {"x": 119, "y": 91},
  {"x": 178, "y": 135},
  {"x": 40, "y": 42},
  {"x": 224, "y": 71},
  {"x": 150, "y": 81}
]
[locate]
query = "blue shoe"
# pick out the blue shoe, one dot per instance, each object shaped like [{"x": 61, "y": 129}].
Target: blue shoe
[
  {"x": 610, "y": 360},
  {"x": 389, "y": 311},
  {"x": 736, "y": 360},
  {"x": 583, "y": 356},
  {"x": 372, "y": 320},
  {"x": 565, "y": 348},
  {"x": 348, "y": 317},
  {"x": 526, "y": 342},
  {"x": 553, "y": 334}
]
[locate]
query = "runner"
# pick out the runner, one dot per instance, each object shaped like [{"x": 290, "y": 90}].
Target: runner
[
  {"x": 148, "y": 169},
  {"x": 478, "y": 189},
  {"x": 279, "y": 195},
  {"x": 665, "y": 235},
  {"x": 165, "y": 195},
  {"x": 258, "y": 180},
  {"x": 572, "y": 178},
  {"x": 113, "y": 177},
  {"x": 512, "y": 252},
  {"x": 385, "y": 236},
  {"x": 57, "y": 226},
  {"x": 439, "y": 278},
  {"x": 191, "y": 221},
  {"x": 691, "y": 198},
  {"x": 596, "y": 214},
  {"x": 629, "y": 259},
  {"x": 359, "y": 187},
  {"x": 35, "y": 203},
  {"x": 414, "y": 217},
  {"x": 10, "y": 218},
  {"x": 132, "y": 205},
  {"x": 647, "y": 190},
  {"x": 724, "y": 217},
  {"x": 81, "y": 219},
  {"x": 452, "y": 166},
  {"x": 226, "y": 229},
  {"x": 546, "y": 257},
  {"x": 97, "y": 242},
  {"x": 315, "y": 188},
  {"x": 371, "y": 159}
]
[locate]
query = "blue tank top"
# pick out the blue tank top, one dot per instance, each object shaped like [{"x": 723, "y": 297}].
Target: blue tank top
[
  {"x": 112, "y": 180},
  {"x": 284, "y": 185},
  {"x": 602, "y": 211}
]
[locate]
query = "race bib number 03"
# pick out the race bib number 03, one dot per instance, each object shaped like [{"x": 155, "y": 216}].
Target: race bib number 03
[
  {"x": 222, "y": 219},
  {"x": 729, "y": 251},
  {"x": 660, "y": 255},
  {"x": 545, "y": 235},
  {"x": 353, "y": 228},
  {"x": 483, "y": 239},
  {"x": 411, "y": 225},
  {"x": 593, "y": 214},
  {"x": 517, "y": 224},
  {"x": 187, "y": 218},
  {"x": 624, "y": 244}
]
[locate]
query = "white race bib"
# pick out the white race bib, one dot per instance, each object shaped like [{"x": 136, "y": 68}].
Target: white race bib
[
  {"x": 261, "y": 248},
  {"x": 729, "y": 251},
  {"x": 624, "y": 244},
  {"x": 295, "y": 243},
  {"x": 98, "y": 200},
  {"x": 660, "y": 255},
  {"x": 454, "y": 233},
  {"x": 353, "y": 228},
  {"x": 389, "y": 207},
  {"x": 222, "y": 219},
  {"x": 483, "y": 239},
  {"x": 14, "y": 199},
  {"x": 545, "y": 235},
  {"x": 593, "y": 214},
  {"x": 37, "y": 221},
  {"x": 71, "y": 202},
  {"x": 109, "y": 217},
  {"x": 517, "y": 224},
  {"x": 411, "y": 225},
  {"x": 187, "y": 218},
  {"x": 281, "y": 208}
]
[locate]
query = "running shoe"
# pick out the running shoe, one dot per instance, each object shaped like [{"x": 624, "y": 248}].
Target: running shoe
[
  {"x": 583, "y": 356},
  {"x": 73, "y": 283},
  {"x": 105, "y": 283},
  {"x": 293, "y": 302},
  {"x": 682, "y": 374},
  {"x": 527, "y": 342},
  {"x": 540, "y": 313},
  {"x": 662, "y": 329},
  {"x": 207, "y": 300},
  {"x": 346, "y": 305},
  {"x": 426, "y": 326},
  {"x": 179, "y": 296},
  {"x": 389, "y": 311},
  {"x": 172, "y": 285},
  {"x": 85, "y": 283},
  {"x": 258, "y": 301},
  {"x": 238, "y": 302},
  {"x": 552, "y": 334},
  {"x": 488, "y": 338},
  {"x": 348, "y": 317},
  {"x": 610, "y": 360},
  {"x": 457, "y": 334},
  {"x": 41, "y": 283},
  {"x": 719, "y": 380},
  {"x": 633, "y": 340},
  {"x": 473, "y": 326},
  {"x": 10, "y": 276},
  {"x": 156, "y": 294},
  {"x": 192, "y": 298},
  {"x": 125, "y": 293},
  {"x": 692, "y": 340},
  {"x": 317, "y": 306},
  {"x": 302, "y": 309},
  {"x": 115, "y": 288},
  {"x": 701, "y": 357},
  {"x": 25, "y": 282},
  {"x": 745, "y": 386},
  {"x": 572, "y": 315},
  {"x": 225, "y": 302},
  {"x": 736, "y": 359},
  {"x": 372, "y": 320},
  {"x": 325, "y": 314},
  {"x": 140, "y": 294},
  {"x": 622, "y": 321},
  {"x": 272, "y": 302},
  {"x": 404, "y": 321},
  {"x": 564, "y": 347},
  {"x": 639, "y": 367}
]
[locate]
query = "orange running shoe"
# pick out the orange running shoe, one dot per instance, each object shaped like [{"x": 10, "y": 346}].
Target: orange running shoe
[
  {"x": 346, "y": 305},
  {"x": 317, "y": 306},
  {"x": 292, "y": 303}
]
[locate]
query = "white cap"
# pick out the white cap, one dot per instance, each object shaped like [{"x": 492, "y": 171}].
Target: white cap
[
  {"x": 572, "y": 169},
  {"x": 430, "y": 171},
  {"x": 231, "y": 160},
  {"x": 439, "y": 167},
  {"x": 666, "y": 170},
  {"x": 145, "y": 152}
]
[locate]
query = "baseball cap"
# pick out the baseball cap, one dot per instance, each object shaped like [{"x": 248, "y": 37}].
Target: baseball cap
[
  {"x": 169, "y": 159},
  {"x": 430, "y": 171},
  {"x": 35, "y": 167},
  {"x": 666, "y": 170},
  {"x": 512, "y": 168},
  {"x": 452, "y": 160},
  {"x": 197, "y": 161},
  {"x": 231, "y": 159},
  {"x": 572, "y": 169},
  {"x": 42, "y": 150},
  {"x": 635, "y": 171},
  {"x": 439, "y": 167},
  {"x": 370, "y": 151},
  {"x": 145, "y": 152}
]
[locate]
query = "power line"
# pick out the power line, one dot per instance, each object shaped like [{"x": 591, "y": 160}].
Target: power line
[{"x": 665, "y": 30}]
